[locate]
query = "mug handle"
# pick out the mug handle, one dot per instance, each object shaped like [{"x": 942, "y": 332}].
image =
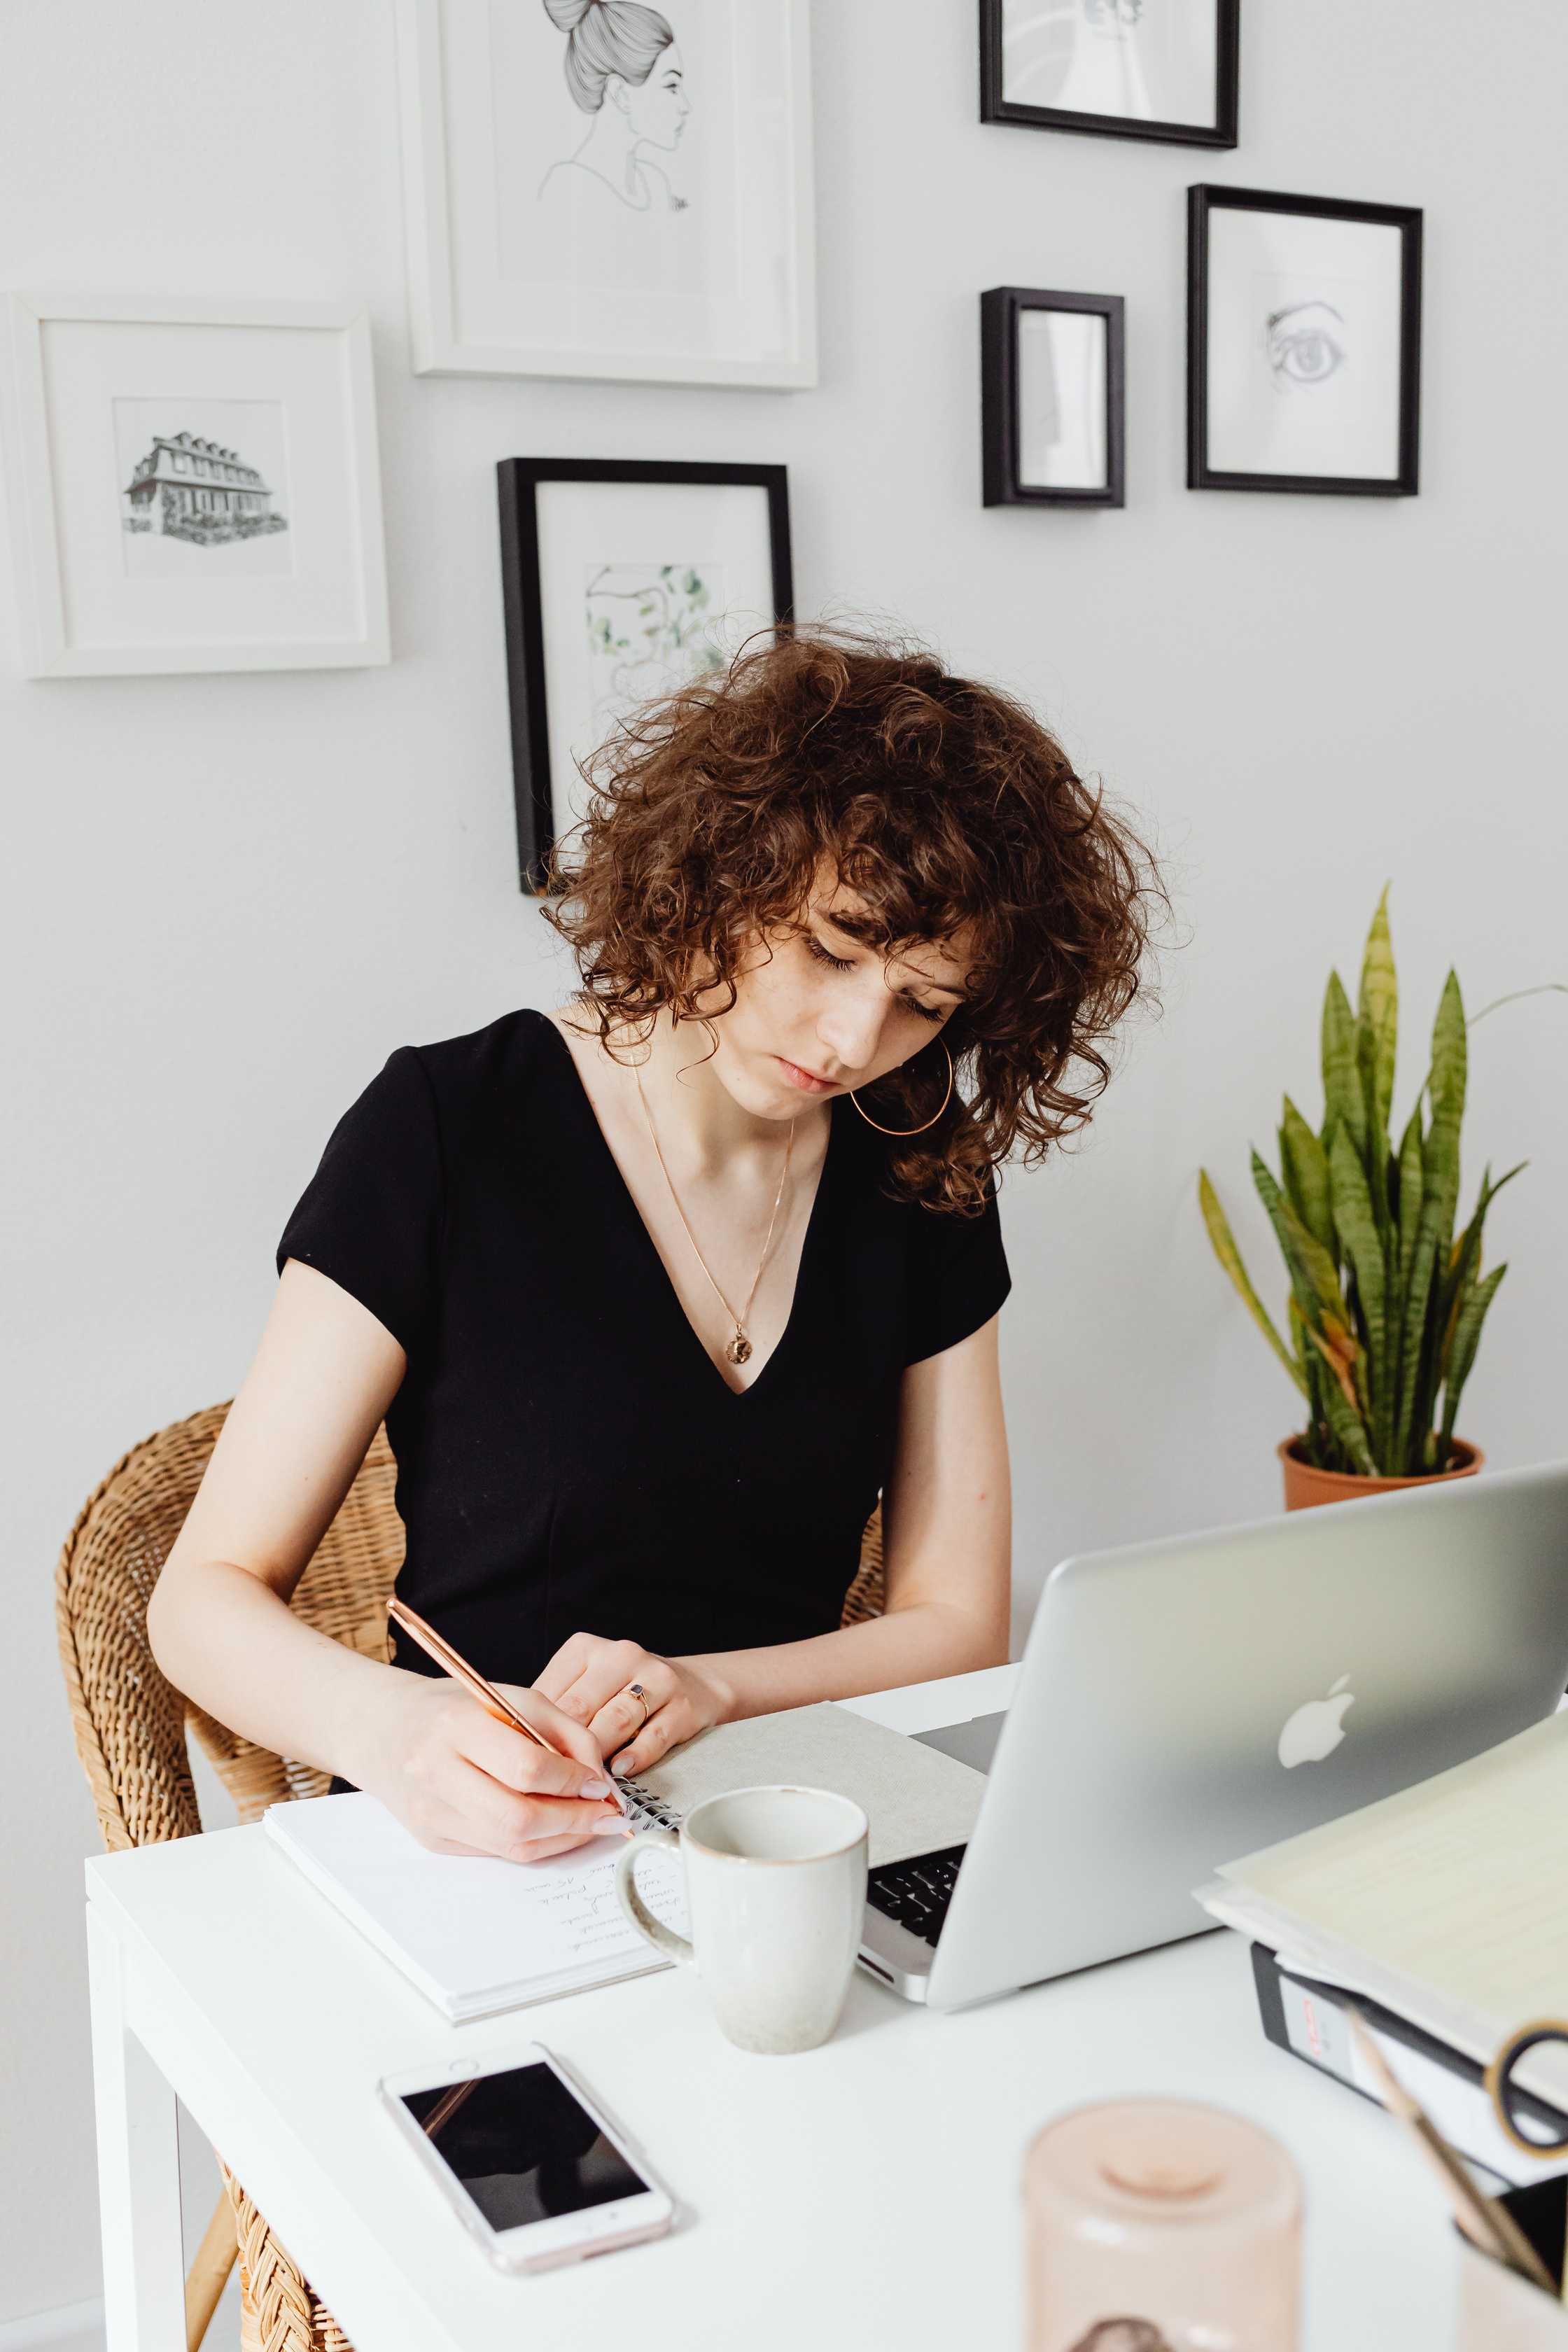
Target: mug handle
[{"x": 663, "y": 1940}]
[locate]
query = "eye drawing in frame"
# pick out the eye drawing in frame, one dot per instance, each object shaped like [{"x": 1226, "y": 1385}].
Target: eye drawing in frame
[
  {"x": 1163, "y": 69},
  {"x": 622, "y": 581},
  {"x": 605, "y": 188},
  {"x": 1052, "y": 370},
  {"x": 1304, "y": 343}
]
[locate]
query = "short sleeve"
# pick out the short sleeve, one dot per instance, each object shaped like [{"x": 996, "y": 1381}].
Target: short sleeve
[
  {"x": 958, "y": 1277},
  {"x": 371, "y": 1216}
]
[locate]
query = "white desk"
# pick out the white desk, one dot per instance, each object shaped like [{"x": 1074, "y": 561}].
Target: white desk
[{"x": 862, "y": 2195}]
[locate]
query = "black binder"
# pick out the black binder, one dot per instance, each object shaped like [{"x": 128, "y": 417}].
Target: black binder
[{"x": 1321, "y": 2039}]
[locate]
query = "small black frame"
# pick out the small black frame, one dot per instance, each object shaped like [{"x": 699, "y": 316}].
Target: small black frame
[
  {"x": 1407, "y": 218},
  {"x": 524, "y": 614},
  {"x": 994, "y": 108},
  {"x": 999, "y": 424}
]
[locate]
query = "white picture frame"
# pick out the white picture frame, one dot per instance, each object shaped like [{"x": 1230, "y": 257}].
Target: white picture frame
[
  {"x": 651, "y": 231},
  {"x": 194, "y": 485}
]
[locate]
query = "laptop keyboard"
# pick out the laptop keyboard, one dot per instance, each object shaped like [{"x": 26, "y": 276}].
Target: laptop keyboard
[{"x": 917, "y": 1893}]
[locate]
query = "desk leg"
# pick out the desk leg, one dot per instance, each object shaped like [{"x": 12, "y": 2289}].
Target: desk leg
[{"x": 138, "y": 2170}]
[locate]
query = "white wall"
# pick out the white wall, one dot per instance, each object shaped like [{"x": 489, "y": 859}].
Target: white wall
[{"x": 227, "y": 898}]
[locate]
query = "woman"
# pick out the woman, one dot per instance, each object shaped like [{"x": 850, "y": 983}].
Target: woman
[
  {"x": 623, "y": 69},
  {"x": 657, "y": 1293}
]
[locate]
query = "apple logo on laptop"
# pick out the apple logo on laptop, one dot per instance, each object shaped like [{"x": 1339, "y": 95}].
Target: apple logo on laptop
[{"x": 1316, "y": 1729}]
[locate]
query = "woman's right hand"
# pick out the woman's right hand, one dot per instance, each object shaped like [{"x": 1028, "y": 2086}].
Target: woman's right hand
[{"x": 464, "y": 1783}]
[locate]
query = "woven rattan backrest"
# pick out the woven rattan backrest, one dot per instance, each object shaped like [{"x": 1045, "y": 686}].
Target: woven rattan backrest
[
  {"x": 129, "y": 1724},
  {"x": 864, "y": 1597}
]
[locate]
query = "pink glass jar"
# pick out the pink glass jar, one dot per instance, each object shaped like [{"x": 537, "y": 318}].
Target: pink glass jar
[{"x": 1157, "y": 2226}]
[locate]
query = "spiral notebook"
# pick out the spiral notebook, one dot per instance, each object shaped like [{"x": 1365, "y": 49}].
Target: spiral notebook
[{"x": 478, "y": 1936}]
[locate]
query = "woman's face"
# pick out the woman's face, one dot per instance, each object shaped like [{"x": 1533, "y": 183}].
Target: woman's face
[
  {"x": 822, "y": 1008},
  {"x": 656, "y": 109}
]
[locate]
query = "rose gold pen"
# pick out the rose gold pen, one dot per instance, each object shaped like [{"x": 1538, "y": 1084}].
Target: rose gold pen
[
  {"x": 1487, "y": 2224},
  {"x": 489, "y": 1698}
]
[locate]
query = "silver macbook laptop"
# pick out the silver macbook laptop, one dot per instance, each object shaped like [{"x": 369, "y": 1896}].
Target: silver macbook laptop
[{"x": 1184, "y": 1702}]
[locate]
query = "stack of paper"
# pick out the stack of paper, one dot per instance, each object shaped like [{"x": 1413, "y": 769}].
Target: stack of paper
[{"x": 1447, "y": 1903}]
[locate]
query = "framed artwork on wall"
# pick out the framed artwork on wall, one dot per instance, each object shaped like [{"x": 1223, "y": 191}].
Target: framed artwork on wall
[
  {"x": 1051, "y": 375},
  {"x": 1116, "y": 68},
  {"x": 622, "y": 581},
  {"x": 192, "y": 484},
  {"x": 1303, "y": 343},
  {"x": 602, "y": 189}
]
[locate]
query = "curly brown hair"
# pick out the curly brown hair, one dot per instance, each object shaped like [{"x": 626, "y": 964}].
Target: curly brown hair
[{"x": 945, "y": 805}]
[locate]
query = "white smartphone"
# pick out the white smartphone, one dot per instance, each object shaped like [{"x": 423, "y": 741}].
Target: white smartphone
[{"x": 527, "y": 2161}]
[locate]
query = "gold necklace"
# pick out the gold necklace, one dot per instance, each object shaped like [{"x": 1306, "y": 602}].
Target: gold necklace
[{"x": 740, "y": 1348}]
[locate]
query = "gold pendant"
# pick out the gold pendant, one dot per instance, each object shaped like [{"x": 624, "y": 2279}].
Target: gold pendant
[{"x": 740, "y": 1349}]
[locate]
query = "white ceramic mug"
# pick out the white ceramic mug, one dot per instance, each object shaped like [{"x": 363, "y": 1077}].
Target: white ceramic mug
[{"x": 775, "y": 1888}]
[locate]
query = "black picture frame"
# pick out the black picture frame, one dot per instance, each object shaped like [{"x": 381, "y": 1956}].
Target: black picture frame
[
  {"x": 523, "y": 601},
  {"x": 1203, "y": 202},
  {"x": 996, "y": 108},
  {"x": 1000, "y": 307}
]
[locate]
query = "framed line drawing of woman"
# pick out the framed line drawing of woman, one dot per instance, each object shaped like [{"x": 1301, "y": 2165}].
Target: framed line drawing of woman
[
  {"x": 627, "y": 74},
  {"x": 601, "y": 188}
]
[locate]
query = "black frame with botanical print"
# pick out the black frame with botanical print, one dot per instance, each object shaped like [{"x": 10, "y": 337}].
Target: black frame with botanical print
[
  {"x": 996, "y": 108},
  {"x": 1403, "y": 482},
  {"x": 1000, "y": 307},
  {"x": 523, "y": 601}
]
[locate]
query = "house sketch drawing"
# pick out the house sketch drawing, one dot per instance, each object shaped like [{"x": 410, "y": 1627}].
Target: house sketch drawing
[{"x": 185, "y": 487}]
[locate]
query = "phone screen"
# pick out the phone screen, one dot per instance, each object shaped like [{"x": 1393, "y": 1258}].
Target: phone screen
[{"x": 521, "y": 2146}]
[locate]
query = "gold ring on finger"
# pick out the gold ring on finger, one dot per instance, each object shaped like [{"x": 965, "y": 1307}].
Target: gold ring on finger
[{"x": 636, "y": 1690}]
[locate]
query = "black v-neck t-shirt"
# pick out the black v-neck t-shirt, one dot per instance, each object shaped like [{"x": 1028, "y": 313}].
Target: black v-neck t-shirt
[{"x": 569, "y": 1458}]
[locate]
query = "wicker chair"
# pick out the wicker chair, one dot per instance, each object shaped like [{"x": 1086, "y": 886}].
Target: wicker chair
[{"x": 131, "y": 1727}]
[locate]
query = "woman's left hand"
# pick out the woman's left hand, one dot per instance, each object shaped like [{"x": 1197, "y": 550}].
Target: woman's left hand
[{"x": 590, "y": 1678}]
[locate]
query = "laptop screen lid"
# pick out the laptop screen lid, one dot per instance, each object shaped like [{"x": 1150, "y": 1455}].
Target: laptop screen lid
[{"x": 1203, "y": 1696}]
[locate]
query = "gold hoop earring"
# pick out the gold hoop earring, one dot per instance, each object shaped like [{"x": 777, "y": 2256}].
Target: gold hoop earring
[{"x": 911, "y": 1131}]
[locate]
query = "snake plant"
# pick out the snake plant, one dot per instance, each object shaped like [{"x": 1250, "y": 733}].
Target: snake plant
[{"x": 1386, "y": 1306}]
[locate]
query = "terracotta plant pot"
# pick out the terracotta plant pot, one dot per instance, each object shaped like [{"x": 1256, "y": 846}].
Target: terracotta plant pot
[{"x": 1305, "y": 1486}]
